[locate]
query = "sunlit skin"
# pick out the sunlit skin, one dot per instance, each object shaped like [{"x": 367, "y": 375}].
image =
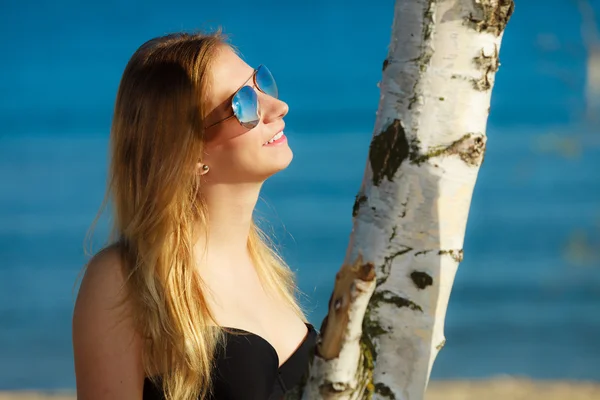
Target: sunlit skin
[
  {"x": 238, "y": 161},
  {"x": 234, "y": 153}
]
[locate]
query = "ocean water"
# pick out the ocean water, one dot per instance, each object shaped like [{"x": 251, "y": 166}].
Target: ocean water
[{"x": 526, "y": 299}]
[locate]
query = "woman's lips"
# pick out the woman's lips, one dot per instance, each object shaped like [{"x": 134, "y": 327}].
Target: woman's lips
[{"x": 282, "y": 138}]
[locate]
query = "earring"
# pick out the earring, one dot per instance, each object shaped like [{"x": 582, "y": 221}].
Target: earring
[{"x": 205, "y": 168}]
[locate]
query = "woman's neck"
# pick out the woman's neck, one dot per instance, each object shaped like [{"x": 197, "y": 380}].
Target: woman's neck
[{"x": 229, "y": 214}]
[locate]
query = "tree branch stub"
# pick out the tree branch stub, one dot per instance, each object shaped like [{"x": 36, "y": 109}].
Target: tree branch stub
[{"x": 347, "y": 285}]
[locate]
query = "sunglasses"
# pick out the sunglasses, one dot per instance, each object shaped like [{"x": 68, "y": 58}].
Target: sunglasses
[{"x": 244, "y": 101}]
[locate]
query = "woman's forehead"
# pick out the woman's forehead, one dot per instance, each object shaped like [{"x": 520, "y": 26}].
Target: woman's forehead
[{"x": 229, "y": 72}]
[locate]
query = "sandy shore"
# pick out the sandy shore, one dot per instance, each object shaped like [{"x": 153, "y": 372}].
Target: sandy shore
[
  {"x": 513, "y": 389},
  {"x": 490, "y": 389}
]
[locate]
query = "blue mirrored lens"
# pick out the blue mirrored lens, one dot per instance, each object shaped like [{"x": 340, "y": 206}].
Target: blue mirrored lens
[
  {"x": 266, "y": 82},
  {"x": 245, "y": 106}
]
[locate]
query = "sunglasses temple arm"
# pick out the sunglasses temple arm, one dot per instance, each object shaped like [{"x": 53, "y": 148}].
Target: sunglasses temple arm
[{"x": 218, "y": 122}]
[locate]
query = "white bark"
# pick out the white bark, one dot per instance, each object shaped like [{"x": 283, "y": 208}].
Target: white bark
[{"x": 412, "y": 208}]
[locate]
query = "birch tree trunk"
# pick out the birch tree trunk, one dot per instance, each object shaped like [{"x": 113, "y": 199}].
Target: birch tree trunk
[{"x": 386, "y": 314}]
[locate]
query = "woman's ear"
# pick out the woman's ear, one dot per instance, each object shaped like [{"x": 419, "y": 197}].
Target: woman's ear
[{"x": 202, "y": 169}]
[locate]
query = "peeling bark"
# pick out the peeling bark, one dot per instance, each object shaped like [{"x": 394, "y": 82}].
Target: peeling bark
[
  {"x": 491, "y": 16},
  {"x": 386, "y": 314}
]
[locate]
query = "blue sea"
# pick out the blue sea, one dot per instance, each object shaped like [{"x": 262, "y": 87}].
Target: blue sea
[{"x": 526, "y": 300}]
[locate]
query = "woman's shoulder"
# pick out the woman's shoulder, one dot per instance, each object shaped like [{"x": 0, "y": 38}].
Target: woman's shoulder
[
  {"x": 102, "y": 295},
  {"x": 106, "y": 346},
  {"x": 103, "y": 274}
]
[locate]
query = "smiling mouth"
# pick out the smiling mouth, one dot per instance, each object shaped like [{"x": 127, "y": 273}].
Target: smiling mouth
[{"x": 274, "y": 138}]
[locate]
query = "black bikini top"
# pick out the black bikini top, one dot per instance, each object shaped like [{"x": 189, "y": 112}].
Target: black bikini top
[{"x": 247, "y": 368}]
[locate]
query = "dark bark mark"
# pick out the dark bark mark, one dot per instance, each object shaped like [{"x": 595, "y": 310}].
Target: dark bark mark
[
  {"x": 386, "y": 296},
  {"x": 488, "y": 65},
  {"x": 357, "y": 203},
  {"x": 413, "y": 99},
  {"x": 370, "y": 330},
  {"x": 327, "y": 389},
  {"x": 388, "y": 150},
  {"x": 421, "y": 279},
  {"x": 441, "y": 345},
  {"x": 428, "y": 21},
  {"x": 370, "y": 326},
  {"x": 424, "y": 58},
  {"x": 470, "y": 148},
  {"x": 384, "y": 391},
  {"x": 457, "y": 255},
  {"x": 490, "y": 17},
  {"x": 387, "y": 264},
  {"x": 386, "y": 62},
  {"x": 428, "y": 25},
  {"x": 393, "y": 235},
  {"x": 403, "y": 213}
]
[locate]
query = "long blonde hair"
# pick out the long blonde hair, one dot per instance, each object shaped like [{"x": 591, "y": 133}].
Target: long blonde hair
[{"x": 156, "y": 140}]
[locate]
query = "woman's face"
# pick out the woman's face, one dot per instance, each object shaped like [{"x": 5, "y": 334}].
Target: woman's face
[{"x": 236, "y": 154}]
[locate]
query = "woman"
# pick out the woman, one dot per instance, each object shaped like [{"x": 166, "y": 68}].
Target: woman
[{"x": 190, "y": 302}]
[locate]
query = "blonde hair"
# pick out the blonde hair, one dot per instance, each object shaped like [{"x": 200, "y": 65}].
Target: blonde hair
[{"x": 156, "y": 140}]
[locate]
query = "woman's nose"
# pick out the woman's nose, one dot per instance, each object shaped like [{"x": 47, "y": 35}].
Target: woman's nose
[{"x": 272, "y": 109}]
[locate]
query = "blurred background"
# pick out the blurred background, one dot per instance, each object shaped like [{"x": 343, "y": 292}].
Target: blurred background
[{"x": 526, "y": 299}]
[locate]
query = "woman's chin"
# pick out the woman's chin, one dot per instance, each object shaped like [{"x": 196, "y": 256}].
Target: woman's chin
[
  {"x": 280, "y": 162},
  {"x": 285, "y": 158}
]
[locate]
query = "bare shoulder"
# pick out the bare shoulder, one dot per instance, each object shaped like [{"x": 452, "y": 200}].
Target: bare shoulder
[
  {"x": 102, "y": 289},
  {"x": 106, "y": 346},
  {"x": 103, "y": 275}
]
